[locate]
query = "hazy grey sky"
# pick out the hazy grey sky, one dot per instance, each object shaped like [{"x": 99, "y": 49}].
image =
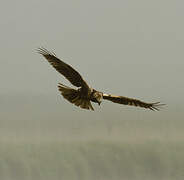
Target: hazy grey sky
[{"x": 130, "y": 48}]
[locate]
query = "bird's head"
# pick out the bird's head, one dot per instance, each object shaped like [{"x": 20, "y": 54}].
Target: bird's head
[{"x": 98, "y": 96}]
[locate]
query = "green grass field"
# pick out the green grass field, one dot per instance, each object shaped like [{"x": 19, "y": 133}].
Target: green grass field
[
  {"x": 39, "y": 142},
  {"x": 91, "y": 161}
]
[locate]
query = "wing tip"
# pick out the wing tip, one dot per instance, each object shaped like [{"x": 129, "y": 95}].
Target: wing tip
[
  {"x": 156, "y": 106},
  {"x": 43, "y": 51}
]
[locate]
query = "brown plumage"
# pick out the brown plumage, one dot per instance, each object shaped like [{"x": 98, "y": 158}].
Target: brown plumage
[
  {"x": 75, "y": 97},
  {"x": 83, "y": 96},
  {"x": 132, "y": 102}
]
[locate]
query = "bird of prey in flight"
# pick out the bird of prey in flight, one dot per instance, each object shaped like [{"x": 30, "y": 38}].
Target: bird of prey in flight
[{"x": 83, "y": 95}]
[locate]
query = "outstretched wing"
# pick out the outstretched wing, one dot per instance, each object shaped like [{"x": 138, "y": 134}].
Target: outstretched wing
[
  {"x": 66, "y": 70},
  {"x": 132, "y": 102}
]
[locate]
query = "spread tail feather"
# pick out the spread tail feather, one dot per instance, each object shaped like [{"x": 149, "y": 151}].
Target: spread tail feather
[{"x": 73, "y": 96}]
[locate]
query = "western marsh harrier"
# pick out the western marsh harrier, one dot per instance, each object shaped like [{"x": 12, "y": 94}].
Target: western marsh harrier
[{"x": 83, "y": 96}]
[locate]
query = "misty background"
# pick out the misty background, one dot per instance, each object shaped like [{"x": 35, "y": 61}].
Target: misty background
[{"x": 129, "y": 48}]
